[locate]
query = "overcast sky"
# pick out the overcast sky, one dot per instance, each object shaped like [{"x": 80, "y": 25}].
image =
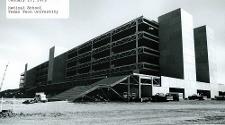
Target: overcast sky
[{"x": 23, "y": 41}]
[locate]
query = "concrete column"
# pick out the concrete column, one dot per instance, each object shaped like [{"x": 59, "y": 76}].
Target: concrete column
[{"x": 51, "y": 64}]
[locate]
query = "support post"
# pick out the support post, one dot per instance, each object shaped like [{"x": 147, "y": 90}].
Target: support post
[
  {"x": 136, "y": 34},
  {"x": 92, "y": 48},
  {"x": 51, "y": 64},
  {"x": 128, "y": 89},
  {"x": 152, "y": 80},
  {"x": 139, "y": 85}
]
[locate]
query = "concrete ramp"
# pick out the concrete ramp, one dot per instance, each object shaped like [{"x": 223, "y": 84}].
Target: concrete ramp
[{"x": 80, "y": 91}]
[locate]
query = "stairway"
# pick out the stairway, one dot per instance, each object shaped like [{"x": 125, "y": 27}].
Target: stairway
[{"x": 79, "y": 91}]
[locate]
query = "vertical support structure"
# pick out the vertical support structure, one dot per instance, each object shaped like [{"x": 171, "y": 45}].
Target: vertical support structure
[
  {"x": 136, "y": 34},
  {"x": 23, "y": 77},
  {"x": 91, "y": 69},
  {"x": 77, "y": 62},
  {"x": 152, "y": 80},
  {"x": 139, "y": 88},
  {"x": 51, "y": 64},
  {"x": 110, "y": 61},
  {"x": 25, "y": 72},
  {"x": 128, "y": 89}
]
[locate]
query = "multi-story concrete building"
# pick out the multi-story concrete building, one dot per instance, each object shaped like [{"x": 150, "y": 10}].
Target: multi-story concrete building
[{"x": 135, "y": 60}]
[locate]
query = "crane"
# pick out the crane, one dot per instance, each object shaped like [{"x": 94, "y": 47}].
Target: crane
[{"x": 3, "y": 78}]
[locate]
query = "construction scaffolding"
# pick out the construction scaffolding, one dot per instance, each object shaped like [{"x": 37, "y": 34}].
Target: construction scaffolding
[{"x": 127, "y": 49}]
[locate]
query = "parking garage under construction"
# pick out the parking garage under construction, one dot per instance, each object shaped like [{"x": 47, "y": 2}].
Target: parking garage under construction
[{"x": 130, "y": 63}]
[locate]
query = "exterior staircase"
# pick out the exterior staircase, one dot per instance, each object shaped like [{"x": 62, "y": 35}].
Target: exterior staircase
[{"x": 80, "y": 91}]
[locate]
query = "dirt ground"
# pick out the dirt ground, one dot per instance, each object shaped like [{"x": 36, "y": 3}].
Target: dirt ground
[{"x": 64, "y": 113}]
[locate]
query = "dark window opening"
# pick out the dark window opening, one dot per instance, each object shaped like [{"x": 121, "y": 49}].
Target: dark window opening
[
  {"x": 151, "y": 51},
  {"x": 148, "y": 59},
  {"x": 101, "y": 42},
  {"x": 149, "y": 66},
  {"x": 71, "y": 73},
  {"x": 148, "y": 29},
  {"x": 148, "y": 43},
  {"x": 71, "y": 64},
  {"x": 84, "y": 70},
  {"x": 72, "y": 54},
  {"x": 101, "y": 66},
  {"x": 124, "y": 47},
  {"x": 102, "y": 54},
  {"x": 84, "y": 49},
  {"x": 85, "y": 59},
  {"x": 124, "y": 61},
  {"x": 124, "y": 33},
  {"x": 151, "y": 37}
]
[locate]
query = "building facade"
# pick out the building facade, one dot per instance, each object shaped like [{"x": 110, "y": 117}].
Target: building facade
[
  {"x": 169, "y": 49},
  {"x": 130, "y": 48}
]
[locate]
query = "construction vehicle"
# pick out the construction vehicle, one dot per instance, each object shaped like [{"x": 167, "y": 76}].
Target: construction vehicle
[
  {"x": 160, "y": 97},
  {"x": 39, "y": 97}
]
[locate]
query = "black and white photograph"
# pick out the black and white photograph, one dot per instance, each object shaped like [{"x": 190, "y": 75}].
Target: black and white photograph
[{"x": 112, "y": 62}]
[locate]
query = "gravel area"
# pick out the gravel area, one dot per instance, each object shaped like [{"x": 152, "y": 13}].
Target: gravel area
[{"x": 111, "y": 113}]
